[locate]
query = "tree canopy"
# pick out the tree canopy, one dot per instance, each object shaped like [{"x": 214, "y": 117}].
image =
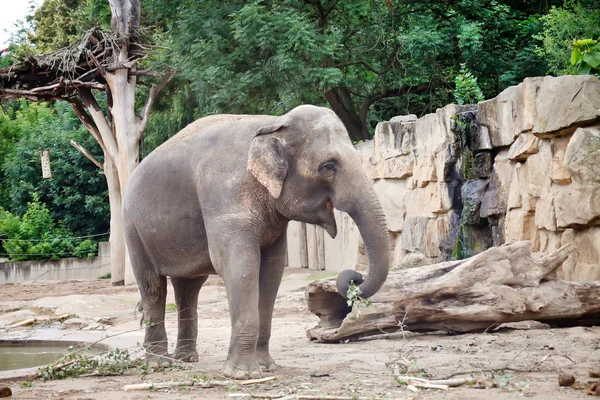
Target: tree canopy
[{"x": 367, "y": 60}]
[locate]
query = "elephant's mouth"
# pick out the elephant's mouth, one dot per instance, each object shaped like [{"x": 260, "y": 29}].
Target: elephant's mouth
[{"x": 328, "y": 222}]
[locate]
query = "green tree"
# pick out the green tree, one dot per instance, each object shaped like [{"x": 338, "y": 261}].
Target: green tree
[
  {"x": 561, "y": 26},
  {"x": 367, "y": 60},
  {"x": 36, "y": 236},
  {"x": 76, "y": 195}
]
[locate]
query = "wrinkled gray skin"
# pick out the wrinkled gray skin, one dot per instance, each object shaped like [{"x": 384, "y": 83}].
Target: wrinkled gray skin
[{"x": 217, "y": 198}]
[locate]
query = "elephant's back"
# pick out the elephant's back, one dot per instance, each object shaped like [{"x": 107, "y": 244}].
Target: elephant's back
[
  {"x": 207, "y": 145},
  {"x": 214, "y": 130}
]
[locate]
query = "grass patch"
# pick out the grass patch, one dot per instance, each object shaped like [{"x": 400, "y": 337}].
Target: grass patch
[
  {"x": 105, "y": 276},
  {"x": 314, "y": 277},
  {"x": 171, "y": 307}
]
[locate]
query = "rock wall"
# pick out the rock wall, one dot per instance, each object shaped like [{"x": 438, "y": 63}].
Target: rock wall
[{"x": 522, "y": 166}]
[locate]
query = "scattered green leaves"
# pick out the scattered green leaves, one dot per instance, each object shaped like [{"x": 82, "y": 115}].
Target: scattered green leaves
[
  {"x": 74, "y": 364},
  {"x": 355, "y": 300}
]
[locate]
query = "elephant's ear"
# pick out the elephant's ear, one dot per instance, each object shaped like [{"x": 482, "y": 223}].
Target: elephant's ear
[{"x": 267, "y": 160}]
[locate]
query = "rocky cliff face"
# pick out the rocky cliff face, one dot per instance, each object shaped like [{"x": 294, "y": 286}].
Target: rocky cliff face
[{"x": 522, "y": 166}]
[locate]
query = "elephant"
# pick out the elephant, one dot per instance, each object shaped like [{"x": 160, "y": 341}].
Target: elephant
[{"x": 217, "y": 197}]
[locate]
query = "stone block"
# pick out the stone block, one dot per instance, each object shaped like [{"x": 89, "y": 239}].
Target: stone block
[
  {"x": 576, "y": 206},
  {"x": 435, "y": 198},
  {"x": 559, "y": 173},
  {"x": 452, "y": 222},
  {"x": 481, "y": 139},
  {"x": 526, "y": 104},
  {"x": 514, "y": 193},
  {"x": 434, "y": 132},
  {"x": 472, "y": 193},
  {"x": 435, "y": 230},
  {"x": 519, "y": 225},
  {"x": 525, "y": 145},
  {"x": 392, "y": 195},
  {"x": 445, "y": 163},
  {"x": 497, "y": 115},
  {"x": 400, "y": 167},
  {"x": 539, "y": 167},
  {"x": 403, "y": 118},
  {"x": 545, "y": 215},
  {"x": 582, "y": 156},
  {"x": 414, "y": 233},
  {"x": 403, "y": 128},
  {"x": 496, "y": 196},
  {"x": 385, "y": 143},
  {"x": 424, "y": 170},
  {"x": 549, "y": 241},
  {"x": 398, "y": 252},
  {"x": 564, "y": 102},
  {"x": 566, "y": 270},
  {"x": 528, "y": 202},
  {"x": 584, "y": 265},
  {"x": 484, "y": 164}
]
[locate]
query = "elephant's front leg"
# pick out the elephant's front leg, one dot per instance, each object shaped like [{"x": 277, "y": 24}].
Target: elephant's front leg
[
  {"x": 271, "y": 270},
  {"x": 239, "y": 266}
]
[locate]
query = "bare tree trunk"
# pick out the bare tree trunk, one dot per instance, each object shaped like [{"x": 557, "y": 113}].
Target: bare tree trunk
[
  {"x": 118, "y": 251},
  {"x": 341, "y": 103},
  {"x": 109, "y": 65},
  {"x": 500, "y": 285}
]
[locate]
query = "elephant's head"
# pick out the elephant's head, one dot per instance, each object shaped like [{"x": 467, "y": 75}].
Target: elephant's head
[{"x": 308, "y": 164}]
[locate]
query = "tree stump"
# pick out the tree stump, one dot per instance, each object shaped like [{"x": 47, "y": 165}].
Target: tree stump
[{"x": 500, "y": 285}]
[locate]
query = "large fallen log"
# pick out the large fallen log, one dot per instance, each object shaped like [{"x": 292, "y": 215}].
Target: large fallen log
[{"x": 500, "y": 285}]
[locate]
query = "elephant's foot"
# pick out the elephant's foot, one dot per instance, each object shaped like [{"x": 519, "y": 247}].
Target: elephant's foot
[
  {"x": 265, "y": 361},
  {"x": 186, "y": 355},
  {"x": 157, "y": 355},
  {"x": 242, "y": 368},
  {"x": 158, "y": 361}
]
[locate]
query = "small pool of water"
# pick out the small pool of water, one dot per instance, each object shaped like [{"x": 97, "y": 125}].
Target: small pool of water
[{"x": 17, "y": 356}]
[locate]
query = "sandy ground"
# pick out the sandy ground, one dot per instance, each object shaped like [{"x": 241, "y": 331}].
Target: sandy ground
[{"x": 520, "y": 360}]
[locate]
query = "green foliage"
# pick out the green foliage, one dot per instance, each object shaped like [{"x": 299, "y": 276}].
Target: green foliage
[
  {"x": 561, "y": 27},
  {"x": 74, "y": 364},
  {"x": 171, "y": 307},
  {"x": 76, "y": 194},
  {"x": 467, "y": 90},
  {"x": 267, "y": 57},
  {"x": 105, "y": 276},
  {"x": 355, "y": 300},
  {"x": 585, "y": 56},
  {"x": 36, "y": 236}
]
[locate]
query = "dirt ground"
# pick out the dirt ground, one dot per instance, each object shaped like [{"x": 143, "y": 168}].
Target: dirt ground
[{"x": 520, "y": 360}]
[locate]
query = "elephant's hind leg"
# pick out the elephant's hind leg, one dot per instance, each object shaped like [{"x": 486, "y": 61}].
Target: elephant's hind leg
[
  {"x": 153, "y": 291},
  {"x": 186, "y": 297}
]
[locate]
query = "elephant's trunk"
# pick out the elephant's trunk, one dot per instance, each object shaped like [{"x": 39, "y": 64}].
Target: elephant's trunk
[{"x": 365, "y": 209}]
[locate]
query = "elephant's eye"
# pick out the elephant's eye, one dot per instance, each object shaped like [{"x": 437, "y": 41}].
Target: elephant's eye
[{"x": 328, "y": 168}]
